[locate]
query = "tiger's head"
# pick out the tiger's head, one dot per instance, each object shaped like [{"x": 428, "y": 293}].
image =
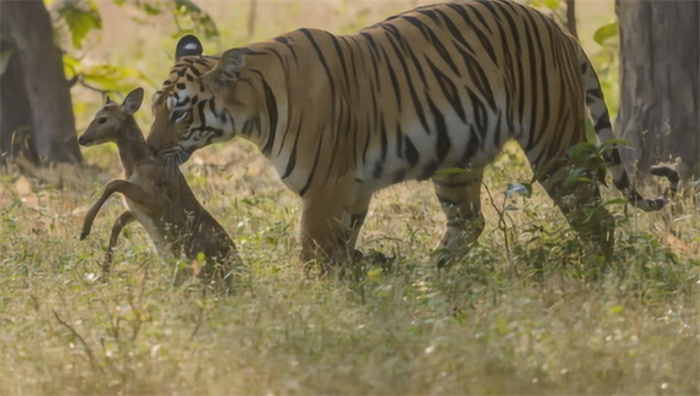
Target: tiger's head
[{"x": 197, "y": 105}]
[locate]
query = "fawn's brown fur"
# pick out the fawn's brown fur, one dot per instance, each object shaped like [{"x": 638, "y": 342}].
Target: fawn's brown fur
[{"x": 157, "y": 196}]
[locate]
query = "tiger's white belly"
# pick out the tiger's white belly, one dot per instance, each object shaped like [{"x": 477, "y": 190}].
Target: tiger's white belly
[
  {"x": 425, "y": 143},
  {"x": 395, "y": 165}
]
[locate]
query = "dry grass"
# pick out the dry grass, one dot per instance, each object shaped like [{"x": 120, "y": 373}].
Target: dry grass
[{"x": 541, "y": 318}]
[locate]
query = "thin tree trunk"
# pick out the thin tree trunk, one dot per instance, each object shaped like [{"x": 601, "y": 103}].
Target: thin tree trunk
[
  {"x": 252, "y": 17},
  {"x": 660, "y": 82},
  {"x": 44, "y": 80},
  {"x": 15, "y": 114},
  {"x": 571, "y": 17}
]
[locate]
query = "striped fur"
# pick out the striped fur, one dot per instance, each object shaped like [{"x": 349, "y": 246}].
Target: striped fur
[{"x": 442, "y": 86}]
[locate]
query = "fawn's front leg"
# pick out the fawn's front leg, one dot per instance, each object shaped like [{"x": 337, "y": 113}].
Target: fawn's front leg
[
  {"x": 125, "y": 218},
  {"x": 128, "y": 189}
]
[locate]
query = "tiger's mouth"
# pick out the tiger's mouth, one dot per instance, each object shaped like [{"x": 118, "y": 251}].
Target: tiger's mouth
[{"x": 174, "y": 155}]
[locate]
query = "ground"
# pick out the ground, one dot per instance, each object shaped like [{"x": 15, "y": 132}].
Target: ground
[{"x": 526, "y": 311}]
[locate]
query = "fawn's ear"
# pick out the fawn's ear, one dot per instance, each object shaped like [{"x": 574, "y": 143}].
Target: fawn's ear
[
  {"x": 226, "y": 70},
  {"x": 133, "y": 101},
  {"x": 188, "y": 45}
]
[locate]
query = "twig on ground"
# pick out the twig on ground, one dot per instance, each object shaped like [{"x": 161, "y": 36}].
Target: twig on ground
[
  {"x": 88, "y": 350},
  {"x": 200, "y": 317}
]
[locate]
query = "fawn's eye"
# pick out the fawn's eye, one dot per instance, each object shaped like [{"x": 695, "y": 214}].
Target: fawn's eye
[
  {"x": 177, "y": 116},
  {"x": 102, "y": 120}
]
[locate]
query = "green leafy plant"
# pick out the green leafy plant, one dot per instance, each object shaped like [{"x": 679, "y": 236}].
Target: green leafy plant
[
  {"x": 81, "y": 18},
  {"x": 586, "y": 162},
  {"x": 102, "y": 77}
]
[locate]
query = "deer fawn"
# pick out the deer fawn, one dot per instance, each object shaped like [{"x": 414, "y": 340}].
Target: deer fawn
[{"x": 157, "y": 196}]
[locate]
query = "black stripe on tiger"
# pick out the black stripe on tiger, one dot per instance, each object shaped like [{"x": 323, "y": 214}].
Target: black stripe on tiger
[
  {"x": 449, "y": 89},
  {"x": 271, "y": 104},
  {"x": 313, "y": 169},
  {"x": 291, "y": 162}
]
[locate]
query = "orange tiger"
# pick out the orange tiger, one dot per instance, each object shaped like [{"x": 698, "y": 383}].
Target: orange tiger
[{"x": 438, "y": 87}]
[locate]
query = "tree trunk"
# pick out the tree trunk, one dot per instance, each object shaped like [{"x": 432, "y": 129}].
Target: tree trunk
[
  {"x": 660, "y": 82},
  {"x": 571, "y": 17},
  {"x": 252, "y": 17},
  {"x": 48, "y": 92},
  {"x": 15, "y": 114}
]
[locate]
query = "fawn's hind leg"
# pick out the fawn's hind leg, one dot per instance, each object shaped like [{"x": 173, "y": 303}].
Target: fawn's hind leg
[
  {"x": 130, "y": 190},
  {"x": 125, "y": 218}
]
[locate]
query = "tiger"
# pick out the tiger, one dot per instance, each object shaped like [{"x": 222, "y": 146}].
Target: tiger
[{"x": 436, "y": 88}]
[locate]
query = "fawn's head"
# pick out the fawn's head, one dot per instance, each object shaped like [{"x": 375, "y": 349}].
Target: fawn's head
[{"x": 110, "y": 119}]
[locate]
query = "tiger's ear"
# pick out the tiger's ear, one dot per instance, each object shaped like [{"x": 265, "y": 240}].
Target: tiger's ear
[
  {"x": 231, "y": 63},
  {"x": 188, "y": 45},
  {"x": 133, "y": 101},
  {"x": 227, "y": 69}
]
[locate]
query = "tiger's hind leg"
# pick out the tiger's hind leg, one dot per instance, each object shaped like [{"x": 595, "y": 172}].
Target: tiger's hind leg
[
  {"x": 581, "y": 204},
  {"x": 460, "y": 197}
]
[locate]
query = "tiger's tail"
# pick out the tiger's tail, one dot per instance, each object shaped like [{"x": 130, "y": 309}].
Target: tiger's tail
[{"x": 603, "y": 128}]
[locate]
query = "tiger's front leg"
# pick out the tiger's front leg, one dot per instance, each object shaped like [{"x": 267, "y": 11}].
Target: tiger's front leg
[{"x": 330, "y": 224}]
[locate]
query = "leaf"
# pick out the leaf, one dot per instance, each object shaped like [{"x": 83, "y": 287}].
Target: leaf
[
  {"x": 187, "y": 6},
  {"x": 5, "y": 59},
  {"x": 582, "y": 179},
  {"x": 375, "y": 274},
  {"x": 150, "y": 10},
  {"x": 582, "y": 150},
  {"x": 573, "y": 175},
  {"x": 200, "y": 19},
  {"x": 114, "y": 77},
  {"x": 249, "y": 202},
  {"x": 616, "y": 201},
  {"x": 606, "y": 32},
  {"x": 105, "y": 77},
  {"x": 517, "y": 188},
  {"x": 81, "y": 17},
  {"x": 616, "y": 309},
  {"x": 552, "y": 4},
  {"x": 591, "y": 136}
]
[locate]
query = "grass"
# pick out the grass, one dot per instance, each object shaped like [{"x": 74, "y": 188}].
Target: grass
[
  {"x": 526, "y": 311},
  {"x": 542, "y": 318}
]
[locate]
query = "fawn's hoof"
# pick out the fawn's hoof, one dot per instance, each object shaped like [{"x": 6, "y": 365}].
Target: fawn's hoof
[{"x": 84, "y": 235}]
